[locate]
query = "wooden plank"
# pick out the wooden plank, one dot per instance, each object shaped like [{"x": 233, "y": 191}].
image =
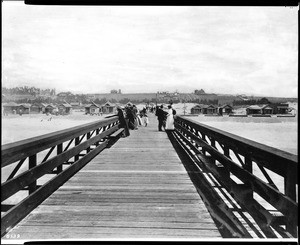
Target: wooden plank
[
  {"x": 50, "y": 232},
  {"x": 116, "y": 134}
]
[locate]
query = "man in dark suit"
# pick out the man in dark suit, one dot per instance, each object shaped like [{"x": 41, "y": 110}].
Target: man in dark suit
[{"x": 161, "y": 116}]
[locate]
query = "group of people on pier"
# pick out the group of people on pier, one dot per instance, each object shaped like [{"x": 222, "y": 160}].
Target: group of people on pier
[
  {"x": 165, "y": 118},
  {"x": 136, "y": 118}
]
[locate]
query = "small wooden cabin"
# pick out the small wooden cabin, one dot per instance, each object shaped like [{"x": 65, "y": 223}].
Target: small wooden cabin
[
  {"x": 108, "y": 108},
  {"x": 10, "y": 108},
  {"x": 24, "y": 108},
  {"x": 209, "y": 109},
  {"x": 92, "y": 108},
  {"x": 64, "y": 108},
  {"x": 266, "y": 109},
  {"x": 197, "y": 109},
  {"x": 225, "y": 109},
  {"x": 38, "y": 108},
  {"x": 50, "y": 108},
  {"x": 282, "y": 109},
  {"x": 259, "y": 109},
  {"x": 253, "y": 109}
]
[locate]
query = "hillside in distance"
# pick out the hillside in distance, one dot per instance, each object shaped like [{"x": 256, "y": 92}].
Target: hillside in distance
[{"x": 183, "y": 97}]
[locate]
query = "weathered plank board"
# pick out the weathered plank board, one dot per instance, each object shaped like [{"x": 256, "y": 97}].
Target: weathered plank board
[{"x": 136, "y": 189}]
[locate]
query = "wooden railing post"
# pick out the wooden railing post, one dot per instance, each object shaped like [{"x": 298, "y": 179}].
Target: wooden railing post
[
  {"x": 88, "y": 136},
  {"x": 32, "y": 163},
  {"x": 76, "y": 157},
  {"x": 248, "y": 164},
  {"x": 249, "y": 168},
  {"x": 213, "y": 144},
  {"x": 97, "y": 132},
  {"x": 59, "y": 150},
  {"x": 290, "y": 191},
  {"x": 203, "y": 137},
  {"x": 226, "y": 151}
]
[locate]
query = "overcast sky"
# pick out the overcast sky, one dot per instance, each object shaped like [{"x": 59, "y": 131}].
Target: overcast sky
[{"x": 93, "y": 49}]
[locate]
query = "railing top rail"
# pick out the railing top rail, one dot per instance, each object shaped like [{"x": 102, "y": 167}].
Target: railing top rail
[
  {"x": 240, "y": 142},
  {"x": 14, "y": 151}
]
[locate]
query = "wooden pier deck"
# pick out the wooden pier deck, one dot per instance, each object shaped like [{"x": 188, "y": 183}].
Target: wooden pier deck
[{"x": 137, "y": 189}]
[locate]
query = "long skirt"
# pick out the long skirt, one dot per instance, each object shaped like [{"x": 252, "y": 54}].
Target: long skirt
[{"x": 170, "y": 122}]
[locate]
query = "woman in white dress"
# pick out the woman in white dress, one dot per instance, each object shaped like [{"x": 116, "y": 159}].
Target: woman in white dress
[{"x": 170, "y": 119}]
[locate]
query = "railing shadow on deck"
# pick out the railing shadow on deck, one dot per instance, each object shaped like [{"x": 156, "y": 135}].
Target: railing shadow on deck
[
  {"x": 221, "y": 166},
  {"x": 75, "y": 147}
]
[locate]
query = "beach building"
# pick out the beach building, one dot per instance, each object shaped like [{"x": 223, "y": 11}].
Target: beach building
[
  {"x": 225, "y": 109},
  {"x": 253, "y": 109},
  {"x": 209, "y": 109},
  {"x": 92, "y": 108},
  {"x": 108, "y": 108},
  {"x": 64, "y": 108},
  {"x": 24, "y": 108},
  {"x": 50, "y": 108},
  {"x": 266, "y": 109},
  {"x": 282, "y": 109},
  {"x": 259, "y": 109},
  {"x": 10, "y": 108},
  {"x": 38, "y": 108},
  {"x": 197, "y": 109}
]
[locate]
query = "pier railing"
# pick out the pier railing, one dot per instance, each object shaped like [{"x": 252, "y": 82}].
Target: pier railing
[
  {"x": 249, "y": 171},
  {"x": 56, "y": 156}
]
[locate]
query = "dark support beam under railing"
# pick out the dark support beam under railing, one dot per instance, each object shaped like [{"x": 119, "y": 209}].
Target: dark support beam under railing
[{"x": 16, "y": 169}]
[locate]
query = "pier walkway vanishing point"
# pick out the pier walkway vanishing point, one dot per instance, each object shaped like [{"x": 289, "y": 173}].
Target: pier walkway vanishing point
[{"x": 137, "y": 189}]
